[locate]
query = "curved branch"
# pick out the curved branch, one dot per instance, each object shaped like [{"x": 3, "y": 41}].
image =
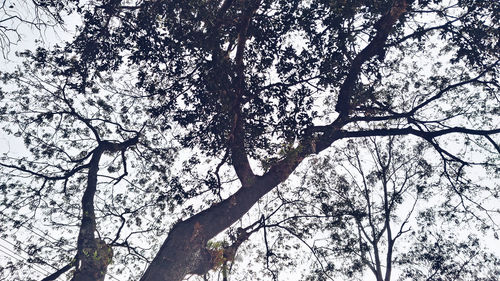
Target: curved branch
[{"x": 237, "y": 137}]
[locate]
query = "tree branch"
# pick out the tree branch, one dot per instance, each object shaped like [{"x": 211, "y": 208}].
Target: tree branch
[
  {"x": 61, "y": 271},
  {"x": 384, "y": 26}
]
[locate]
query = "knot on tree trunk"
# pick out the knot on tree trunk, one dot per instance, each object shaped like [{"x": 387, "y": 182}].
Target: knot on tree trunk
[
  {"x": 213, "y": 257},
  {"x": 216, "y": 255}
]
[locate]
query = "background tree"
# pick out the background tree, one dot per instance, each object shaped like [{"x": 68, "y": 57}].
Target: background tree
[
  {"x": 82, "y": 143},
  {"x": 258, "y": 86},
  {"x": 377, "y": 208}
]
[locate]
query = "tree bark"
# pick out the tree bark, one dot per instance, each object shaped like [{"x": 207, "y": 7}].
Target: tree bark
[{"x": 184, "y": 252}]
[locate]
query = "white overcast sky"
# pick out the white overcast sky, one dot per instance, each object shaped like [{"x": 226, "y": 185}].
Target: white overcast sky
[{"x": 48, "y": 38}]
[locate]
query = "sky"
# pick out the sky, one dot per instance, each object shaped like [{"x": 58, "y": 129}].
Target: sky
[{"x": 9, "y": 144}]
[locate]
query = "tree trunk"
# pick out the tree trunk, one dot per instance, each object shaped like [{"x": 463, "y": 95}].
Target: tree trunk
[
  {"x": 93, "y": 255},
  {"x": 184, "y": 252}
]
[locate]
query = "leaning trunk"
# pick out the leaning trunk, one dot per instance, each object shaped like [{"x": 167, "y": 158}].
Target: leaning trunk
[{"x": 184, "y": 251}]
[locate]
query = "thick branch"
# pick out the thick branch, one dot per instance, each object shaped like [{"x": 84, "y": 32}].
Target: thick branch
[
  {"x": 412, "y": 131},
  {"x": 61, "y": 271},
  {"x": 384, "y": 26},
  {"x": 238, "y": 153},
  {"x": 221, "y": 12}
]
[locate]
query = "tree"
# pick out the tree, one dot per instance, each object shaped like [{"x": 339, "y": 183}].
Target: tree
[
  {"x": 255, "y": 86},
  {"x": 375, "y": 206},
  {"x": 70, "y": 140}
]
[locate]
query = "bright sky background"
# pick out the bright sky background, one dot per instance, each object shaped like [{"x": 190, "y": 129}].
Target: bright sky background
[{"x": 15, "y": 147}]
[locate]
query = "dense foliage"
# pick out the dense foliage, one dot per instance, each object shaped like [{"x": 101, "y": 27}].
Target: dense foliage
[{"x": 174, "y": 118}]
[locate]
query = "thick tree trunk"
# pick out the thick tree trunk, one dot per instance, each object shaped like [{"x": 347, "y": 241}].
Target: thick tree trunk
[{"x": 184, "y": 252}]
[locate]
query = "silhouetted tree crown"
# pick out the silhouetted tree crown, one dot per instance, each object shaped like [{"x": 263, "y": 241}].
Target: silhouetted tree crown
[{"x": 250, "y": 88}]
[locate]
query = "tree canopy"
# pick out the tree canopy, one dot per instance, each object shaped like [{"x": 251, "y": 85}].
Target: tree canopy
[{"x": 195, "y": 121}]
